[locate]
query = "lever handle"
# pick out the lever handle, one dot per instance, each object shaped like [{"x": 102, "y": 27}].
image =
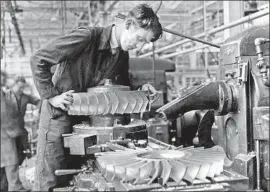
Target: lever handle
[{"x": 67, "y": 171}]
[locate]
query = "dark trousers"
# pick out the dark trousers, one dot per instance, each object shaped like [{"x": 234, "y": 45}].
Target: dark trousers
[
  {"x": 10, "y": 176},
  {"x": 50, "y": 148}
]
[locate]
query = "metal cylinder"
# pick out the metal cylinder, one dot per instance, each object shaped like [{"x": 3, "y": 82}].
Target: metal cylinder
[{"x": 258, "y": 164}]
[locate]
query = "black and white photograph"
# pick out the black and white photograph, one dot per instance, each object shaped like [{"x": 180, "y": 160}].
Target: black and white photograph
[{"x": 135, "y": 96}]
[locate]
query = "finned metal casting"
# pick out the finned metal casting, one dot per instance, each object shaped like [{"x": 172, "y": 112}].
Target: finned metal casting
[
  {"x": 111, "y": 102},
  {"x": 179, "y": 164}
]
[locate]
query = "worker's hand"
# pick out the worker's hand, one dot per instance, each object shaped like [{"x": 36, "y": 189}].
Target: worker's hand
[
  {"x": 62, "y": 101},
  {"x": 153, "y": 92}
]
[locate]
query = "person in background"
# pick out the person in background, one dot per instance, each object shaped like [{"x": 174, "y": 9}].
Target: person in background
[
  {"x": 4, "y": 121},
  {"x": 14, "y": 137},
  {"x": 84, "y": 58}
]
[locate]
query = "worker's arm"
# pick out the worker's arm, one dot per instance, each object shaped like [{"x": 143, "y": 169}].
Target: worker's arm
[{"x": 58, "y": 50}]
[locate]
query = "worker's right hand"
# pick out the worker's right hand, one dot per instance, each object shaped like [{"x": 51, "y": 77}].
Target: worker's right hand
[{"x": 62, "y": 101}]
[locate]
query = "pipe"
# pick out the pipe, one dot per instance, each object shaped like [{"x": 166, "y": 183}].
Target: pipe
[
  {"x": 215, "y": 30},
  {"x": 182, "y": 52},
  {"x": 214, "y": 95}
]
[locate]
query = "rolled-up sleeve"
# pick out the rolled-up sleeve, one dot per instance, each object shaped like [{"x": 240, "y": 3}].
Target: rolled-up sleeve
[{"x": 58, "y": 50}]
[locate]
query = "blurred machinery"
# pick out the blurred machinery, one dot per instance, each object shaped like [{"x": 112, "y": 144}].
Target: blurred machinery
[
  {"x": 119, "y": 154},
  {"x": 153, "y": 71}
]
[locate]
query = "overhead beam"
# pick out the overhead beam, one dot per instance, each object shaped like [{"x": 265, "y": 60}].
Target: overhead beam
[{"x": 52, "y": 9}]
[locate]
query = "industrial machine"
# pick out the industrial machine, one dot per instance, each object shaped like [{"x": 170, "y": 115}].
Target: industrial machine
[
  {"x": 240, "y": 99},
  {"x": 119, "y": 154}
]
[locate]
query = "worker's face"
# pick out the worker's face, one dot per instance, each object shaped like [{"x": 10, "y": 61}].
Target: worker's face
[
  {"x": 134, "y": 37},
  {"x": 19, "y": 87}
]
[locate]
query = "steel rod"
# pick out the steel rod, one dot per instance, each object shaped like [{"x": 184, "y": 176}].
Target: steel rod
[
  {"x": 189, "y": 37},
  {"x": 182, "y": 52}
]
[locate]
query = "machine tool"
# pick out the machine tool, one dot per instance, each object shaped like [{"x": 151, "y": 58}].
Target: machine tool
[
  {"x": 240, "y": 99},
  {"x": 120, "y": 155}
]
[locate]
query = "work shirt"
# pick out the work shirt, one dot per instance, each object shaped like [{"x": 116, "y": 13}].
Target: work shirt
[{"x": 85, "y": 58}]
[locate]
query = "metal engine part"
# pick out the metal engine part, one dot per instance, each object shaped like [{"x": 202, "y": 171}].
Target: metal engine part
[
  {"x": 109, "y": 99},
  {"x": 179, "y": 164}
]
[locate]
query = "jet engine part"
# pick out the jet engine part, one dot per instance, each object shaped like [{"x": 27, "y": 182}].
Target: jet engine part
[
  {"x": 178, "y": 164},
  {"x": 109, "y": 102}
]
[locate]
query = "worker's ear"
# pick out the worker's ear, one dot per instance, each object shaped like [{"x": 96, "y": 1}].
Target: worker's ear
[{"x": 129, "y": 23}]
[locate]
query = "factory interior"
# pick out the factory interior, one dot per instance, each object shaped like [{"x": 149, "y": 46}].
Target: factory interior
[{"x": 184, "y": 108}]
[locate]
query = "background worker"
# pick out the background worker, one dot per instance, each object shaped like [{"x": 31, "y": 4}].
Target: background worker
[{"x": 14, "y": 136}]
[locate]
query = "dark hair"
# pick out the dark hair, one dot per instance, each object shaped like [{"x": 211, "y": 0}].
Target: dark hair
[
  {"x": 147, "y": 19},
  {"x": 20, "y": 79}
]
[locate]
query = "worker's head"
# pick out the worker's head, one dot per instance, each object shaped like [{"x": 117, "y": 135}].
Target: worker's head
[
  {"x": 141, "y": 26},
  {"x": 19, "y": 85}
]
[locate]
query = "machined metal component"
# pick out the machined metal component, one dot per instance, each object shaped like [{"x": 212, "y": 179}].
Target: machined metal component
[
  {"x": 215, "y": 95},
  {"x": 262, "y": 64},
  {"x": 113, "y": 102},
  {"x": 178, "y": 164},
  {"x": 258, "y": 165},
  {"x": 135, "y": 130}
]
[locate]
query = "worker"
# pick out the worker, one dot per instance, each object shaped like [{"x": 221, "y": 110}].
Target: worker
[
  {"x": 14, "y": 136},
  {"x": 84, "y": 57},
  {"x": 3, "y": 178}
]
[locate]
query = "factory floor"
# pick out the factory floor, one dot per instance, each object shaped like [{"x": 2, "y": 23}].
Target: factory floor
[{"x": 26, "y": 172}]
